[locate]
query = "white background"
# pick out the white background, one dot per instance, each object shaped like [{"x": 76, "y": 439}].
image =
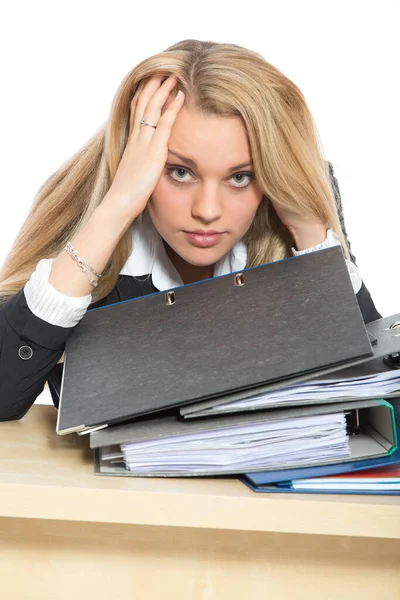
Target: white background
[{"x": 62, "y": 62}]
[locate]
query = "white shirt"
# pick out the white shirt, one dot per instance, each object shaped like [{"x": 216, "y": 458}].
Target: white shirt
[{"x": 148, "y": 256}]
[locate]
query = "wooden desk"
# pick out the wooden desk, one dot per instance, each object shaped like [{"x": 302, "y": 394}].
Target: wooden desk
[{"x": 66, "y": 533}]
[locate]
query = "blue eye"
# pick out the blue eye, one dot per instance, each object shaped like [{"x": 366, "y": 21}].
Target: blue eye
[
  {"x": 249, "y": 175},
  {"x": 243, "y": 183},
  {"x": 171, "y": 170}
]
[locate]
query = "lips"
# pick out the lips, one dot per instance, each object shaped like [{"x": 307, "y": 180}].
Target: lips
[{"x": 203, "y": 239}]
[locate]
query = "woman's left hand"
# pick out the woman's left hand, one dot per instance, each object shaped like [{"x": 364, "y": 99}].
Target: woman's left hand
[{"x": 306, "y": 231}]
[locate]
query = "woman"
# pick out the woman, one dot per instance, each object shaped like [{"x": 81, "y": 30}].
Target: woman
[{"x": 174, "y": 189}]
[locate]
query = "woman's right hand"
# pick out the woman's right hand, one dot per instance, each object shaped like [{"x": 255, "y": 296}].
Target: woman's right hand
[{"x": 146, "y": 151}]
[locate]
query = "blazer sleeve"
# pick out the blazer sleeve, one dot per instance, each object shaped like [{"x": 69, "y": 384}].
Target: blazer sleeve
[
  {"x": 365, "y": 302},
  {"x": 29, "y": 349}
]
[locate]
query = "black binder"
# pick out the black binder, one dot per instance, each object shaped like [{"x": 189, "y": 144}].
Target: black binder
[{"x": 202, "y": 341}]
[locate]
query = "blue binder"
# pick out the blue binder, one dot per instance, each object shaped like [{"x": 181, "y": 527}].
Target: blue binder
[
  {"x": 274, "y": 488},
  {"x": 281, "y": 481},
  {"x": 256, "y": 481}
]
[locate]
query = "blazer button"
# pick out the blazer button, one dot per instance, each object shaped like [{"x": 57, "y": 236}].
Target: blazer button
[{"x": 25, "y": 352}]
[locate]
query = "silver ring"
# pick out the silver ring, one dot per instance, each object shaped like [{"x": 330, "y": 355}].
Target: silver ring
[{"x": 143, "y": 122}]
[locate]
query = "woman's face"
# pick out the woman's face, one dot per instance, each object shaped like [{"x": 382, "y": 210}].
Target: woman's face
[{"x": 207, "y": 197}]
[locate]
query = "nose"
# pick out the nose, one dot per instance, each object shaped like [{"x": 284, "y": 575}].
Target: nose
[{"x": 206, "y": 204}]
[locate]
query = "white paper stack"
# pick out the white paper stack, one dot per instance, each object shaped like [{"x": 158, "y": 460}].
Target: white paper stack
[
  {"x": 300, "y": 440},
  {"x": 366, "y": 385}
]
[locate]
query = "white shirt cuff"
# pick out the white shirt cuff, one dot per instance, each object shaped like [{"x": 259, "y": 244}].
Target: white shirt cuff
[
  {"x": 49, "y": 304},
  {"x": 330, "y": 241}
]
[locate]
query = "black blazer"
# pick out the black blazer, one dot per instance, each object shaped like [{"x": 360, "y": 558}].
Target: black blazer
[{"x": 30, "y": 348}]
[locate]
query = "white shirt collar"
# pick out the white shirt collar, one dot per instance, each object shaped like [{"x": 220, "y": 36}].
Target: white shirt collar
[{"x": 148, "y": 256}]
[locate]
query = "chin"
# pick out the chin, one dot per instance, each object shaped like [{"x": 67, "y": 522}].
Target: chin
[{"x": 202, "y": 257}]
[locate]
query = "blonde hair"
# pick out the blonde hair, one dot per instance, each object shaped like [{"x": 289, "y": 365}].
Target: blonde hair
[{"x": 218, "y": 79}]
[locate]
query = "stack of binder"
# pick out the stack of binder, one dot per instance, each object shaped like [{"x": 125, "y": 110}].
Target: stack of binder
[{"x": 170, "y": 384}]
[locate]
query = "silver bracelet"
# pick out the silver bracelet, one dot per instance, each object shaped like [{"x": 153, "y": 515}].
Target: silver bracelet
[{"x": 84, "y": 266}]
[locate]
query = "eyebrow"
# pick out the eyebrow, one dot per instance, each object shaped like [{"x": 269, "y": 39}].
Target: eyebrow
[{"x": 193, "y": 163}]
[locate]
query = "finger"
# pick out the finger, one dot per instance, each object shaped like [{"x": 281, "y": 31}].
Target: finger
[
  {"x": 133, "y": 104},
  {"x": 139, "y": 88},
  {"x": 150, "y": 108},
  {"x": 167, "y": 120},
  {"x": 134, "y": 101},
  {"x": 132, "y": 113}
]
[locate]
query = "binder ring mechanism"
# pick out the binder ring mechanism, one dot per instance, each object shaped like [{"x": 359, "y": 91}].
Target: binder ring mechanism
[
  {"x": 393, "y": 360},
  {"x": 239, "y": 279},
  {"x": 170, "y": 298}
]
